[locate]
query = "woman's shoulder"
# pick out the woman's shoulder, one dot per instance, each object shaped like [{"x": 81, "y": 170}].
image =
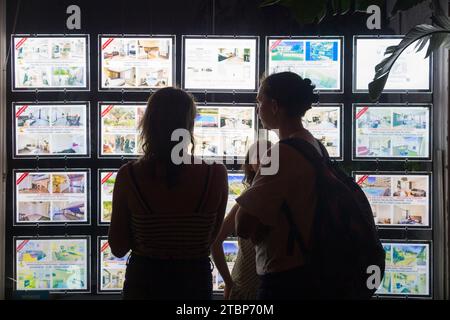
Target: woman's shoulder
[
  {"x": 201, "y": 164},
  {"x": 219, "y": 170},
  {"x": 124, "y": 171},
  {"x": 125, "y": 167}
]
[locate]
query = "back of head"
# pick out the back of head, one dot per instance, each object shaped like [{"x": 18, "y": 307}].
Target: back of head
[
  {"x": 292, "y": 93},
  {"x": 168, "y": 109}
]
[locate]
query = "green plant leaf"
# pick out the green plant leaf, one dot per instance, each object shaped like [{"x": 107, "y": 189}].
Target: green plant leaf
[
  {"x": 267, "y": 3},
  {"x": 377, "y": 86},
  {"x": 307, "y": 12},
  {"x": 362, "y": 5},
  {"x": 304, "y": 12},
  {"x": 415, "y": 34},
  {"x": 439, "y": 18},
  {"x": 402, "y": 5},
  {"x": 422, "y": 43},
  {"x": 419, "y": 34},
  {"x": 436, "y": 41},
  {"x": 341, "y": 6}
]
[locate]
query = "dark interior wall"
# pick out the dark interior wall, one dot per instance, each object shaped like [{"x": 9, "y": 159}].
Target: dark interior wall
[
  {"x": 170, "y": 17},
  {"x": 2, "y": 143}
]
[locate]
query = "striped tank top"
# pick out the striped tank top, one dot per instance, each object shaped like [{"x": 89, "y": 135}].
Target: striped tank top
[
  {"x": 174, "y": 235},
  {"x": 245, "y": 279}
]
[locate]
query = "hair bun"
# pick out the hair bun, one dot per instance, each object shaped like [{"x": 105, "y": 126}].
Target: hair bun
[
  {"x": 315, "y": 98},
  {"x": 307, "y": 81}
]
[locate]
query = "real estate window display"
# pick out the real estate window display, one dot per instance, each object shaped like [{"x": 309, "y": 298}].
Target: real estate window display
[{"x": 96, "y": 254}]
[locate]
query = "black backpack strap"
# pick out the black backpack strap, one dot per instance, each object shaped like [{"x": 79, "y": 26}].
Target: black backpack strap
[
  {"x": 324, "y": 150},
  {"x": 307, "y": 150},
  {"x": 294, "y": 234},
  {"x": 317, "y": 160}
]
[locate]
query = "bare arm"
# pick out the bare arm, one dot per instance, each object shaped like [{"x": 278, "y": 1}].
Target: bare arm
[
  {"x": 249, "y": 227},
  {"x": 217, "y": 247},
  {"x": 222, "y": 185},
  {"x": 119, "y": 236}
]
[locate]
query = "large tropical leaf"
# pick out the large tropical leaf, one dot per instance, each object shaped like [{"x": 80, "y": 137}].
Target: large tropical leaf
[
  {"x": 422, "y": 34},
  {"x": 267, "y": 3},
  {"x": 303, "y": 11},
  {"x": 314, "y": 11},
  {"x": 403, "y": 5},
  {"x": 341, "y": 6},
  {"x": 440, "y": 18},
  {"x": 362, "y": 5},
  {"x": 436, "y": 36}
]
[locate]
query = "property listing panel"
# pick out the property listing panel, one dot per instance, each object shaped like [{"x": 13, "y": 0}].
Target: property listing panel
[{"x": 50, "y": 63}]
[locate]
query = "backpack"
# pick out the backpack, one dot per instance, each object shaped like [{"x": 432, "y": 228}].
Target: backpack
[{"x": 344, "y": 241}]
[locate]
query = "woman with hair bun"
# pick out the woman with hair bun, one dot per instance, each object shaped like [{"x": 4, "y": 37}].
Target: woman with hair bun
[{"x": 283, "y": 100}]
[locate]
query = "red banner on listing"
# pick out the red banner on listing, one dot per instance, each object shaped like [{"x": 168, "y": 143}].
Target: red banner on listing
[
  {"x": 21, "y": 245},
  {"x": 107, "y": 43},
  {"x": 362, "y": 179},
  {"x": 23, "y": 176},
  {"x": 107, "y": 110},
  {"x": 104, "y": 246},
  {"x": 275, "y": 44},
  {"x": 20, "y": 43},
  {"x": 105, "y": 178},
  {"x": 361, "y": 112},
  {"x": 21, "y": 110}
]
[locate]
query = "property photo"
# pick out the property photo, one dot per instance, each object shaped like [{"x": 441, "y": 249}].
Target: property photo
[
  {"x": 33, "y": 76},
  {"x": 321, "y": 118},
  {"x": 119, "y": 143},
  {"x": 382, "y": 214},
  {"x": 377, "y": 186},
  {"x": 119, "y": 117},
  {"x": 207, "y": 118},
  {"x": 373, "y": 146},
  {"x": 321, "y": 50},
  {"x": 33, "y": 144},
  {"x": 119, "y": 76},
  {"x": 233, "y": 55},
  {"x": 33, "y": 183},
  {"x": 287, "y": 50},
  {"x": 234, "y": 118},
  {"x": 409, "y": 146},
  {"x": 411, "y": 118},
  {"x": 68, "y": 143},
  {"x": 38, "y": 211},
  {"x": 68, "y": 182},
  {"x": 410, "y": 214},
  {"x": 68, "y": 77},
  {"x": 68, "y": 211},
  {"x": 154, "y": 77},
  {"x": 68, "y": 116},
  {"x": 411, "y": 187},
  {"x": 33, "y": 116},
  {"x": 375, "y": 118},
  {"x": 206, "y": 145},
  {"x": 106, "y": 211}
]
